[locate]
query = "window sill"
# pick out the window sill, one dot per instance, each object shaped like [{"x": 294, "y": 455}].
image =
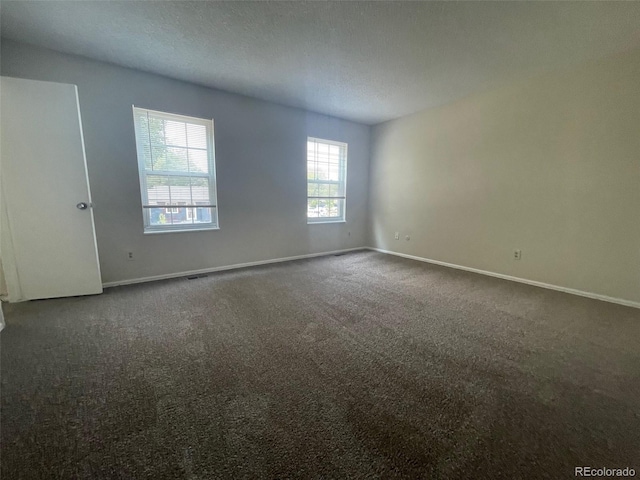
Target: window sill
[
  {"x": 325, "y": 221},
  {"x": 180, "y": 230}
]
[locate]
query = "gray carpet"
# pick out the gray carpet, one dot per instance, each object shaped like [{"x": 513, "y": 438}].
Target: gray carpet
[{"x": 355, "y": 366}]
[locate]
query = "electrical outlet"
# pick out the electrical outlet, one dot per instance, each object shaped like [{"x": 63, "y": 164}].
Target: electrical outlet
[
  {"x": 517, "y": 254},
  {"x": 129, "y": 255},
  {"x": 397, "y": 236}
]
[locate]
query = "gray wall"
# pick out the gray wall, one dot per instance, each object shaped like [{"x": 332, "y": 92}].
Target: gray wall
[
  {"x": 550, "y": 166},
  {"x": 260, "y": 164}
]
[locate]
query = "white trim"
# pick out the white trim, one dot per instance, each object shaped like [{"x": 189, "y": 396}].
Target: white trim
[
  {"x": 225, "y": 267},
  {"x": 326, "y": 221},
  {"x": 342, "y": 181},
  {"x": 573, "y": 291},
  {"x": 181, "y": 228}
]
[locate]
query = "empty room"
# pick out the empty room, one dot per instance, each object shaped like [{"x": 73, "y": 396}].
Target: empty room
[{"x": 324, "y": 239}]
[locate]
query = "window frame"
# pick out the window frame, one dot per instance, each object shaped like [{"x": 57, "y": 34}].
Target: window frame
[
  {"x": 214, "y": 224},
  {"x": 343, "y": 167}
]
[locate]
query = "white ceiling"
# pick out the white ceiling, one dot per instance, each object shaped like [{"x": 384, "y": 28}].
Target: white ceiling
[{"x": 364, "y": 61}]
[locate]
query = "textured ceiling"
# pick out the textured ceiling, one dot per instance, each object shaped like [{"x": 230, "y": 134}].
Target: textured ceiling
[{"x": 364, "y": 61}]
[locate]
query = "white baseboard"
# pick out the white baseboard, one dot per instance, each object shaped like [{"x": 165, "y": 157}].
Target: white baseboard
[
  {"x": 224, "y": 267},
  {"x": 573, "y": 291},
  {"x": 596, "y": 296}
]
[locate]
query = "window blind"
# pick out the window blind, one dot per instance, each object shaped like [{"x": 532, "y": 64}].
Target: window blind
[{"x": 177, "y": 170}]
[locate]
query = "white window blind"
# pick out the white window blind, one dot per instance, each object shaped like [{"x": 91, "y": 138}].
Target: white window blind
[
  {"x": 177, "y": 171},
  {"x": 326, "y": 180}
]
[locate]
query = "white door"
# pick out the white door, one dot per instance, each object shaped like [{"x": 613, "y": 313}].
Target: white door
[{"x": 46, "y": 190}]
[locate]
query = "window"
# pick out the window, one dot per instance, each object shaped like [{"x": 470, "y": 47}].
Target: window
[
  {"x": 177, "y": 171},
  {"x": 326, "y": 180}
]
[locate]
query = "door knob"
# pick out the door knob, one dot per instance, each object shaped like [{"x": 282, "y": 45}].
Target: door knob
[{"x": 82, "y": 206}]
